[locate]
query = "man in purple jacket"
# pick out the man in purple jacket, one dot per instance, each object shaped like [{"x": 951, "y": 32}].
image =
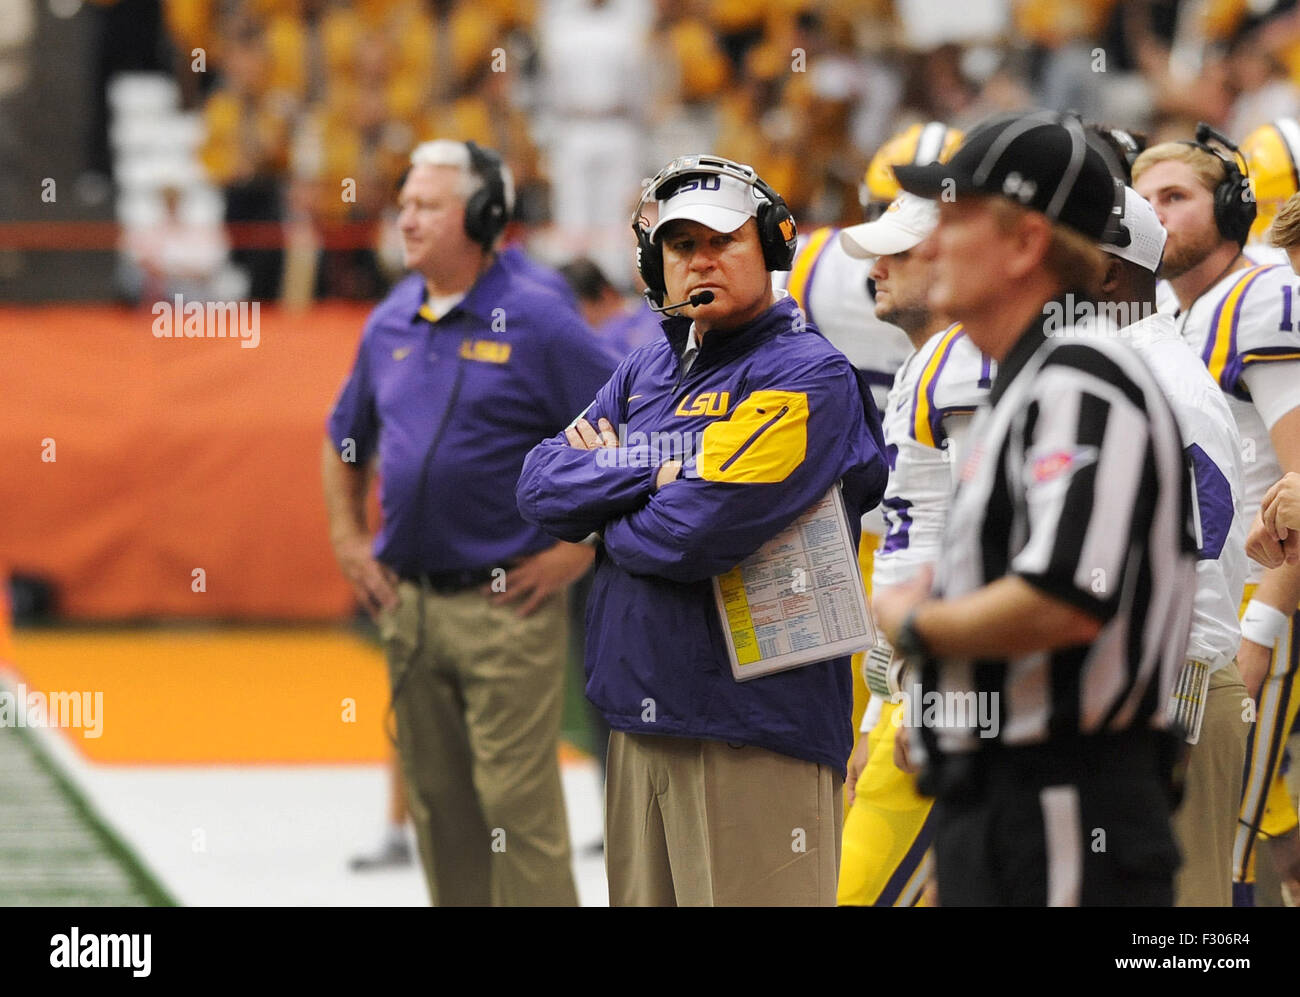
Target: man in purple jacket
[
  {"x": 717, "y": 792},
  {"x": 463, "y": 368}
]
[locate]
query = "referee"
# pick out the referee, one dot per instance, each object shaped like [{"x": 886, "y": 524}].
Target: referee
[{"x": 1060, "y": 605}]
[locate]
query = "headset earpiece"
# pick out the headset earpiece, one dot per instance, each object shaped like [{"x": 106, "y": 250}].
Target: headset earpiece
[
  {"x": 649, "y": 261},
  {"x": 777, "y": 232},
  {"x": 1234, "y": 206},
  {"x": 485, "y": 211},
  {"x": 1234, "y": 201}
]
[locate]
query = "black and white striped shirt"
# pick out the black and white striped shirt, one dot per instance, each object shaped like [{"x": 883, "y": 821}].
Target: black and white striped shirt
[{"x": 1074, "y": 481}]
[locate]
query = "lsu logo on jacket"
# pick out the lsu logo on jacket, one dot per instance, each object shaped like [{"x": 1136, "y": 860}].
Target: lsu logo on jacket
[
  {"x": 705, "y": 403},
  {"x": 485, "y": 350}
]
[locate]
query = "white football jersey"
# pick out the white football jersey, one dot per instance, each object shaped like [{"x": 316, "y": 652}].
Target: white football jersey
[
  {"x": 1166, "y": 299},
  {"x": 1262, "y": 252},
  {"x": 934, "y": 395},
  {"x": 1213, "y": 450},
  {"x": 831, "y": 288},
  {"x": 1250, "y": 318},
  {"x": 1256, "y": 252}
]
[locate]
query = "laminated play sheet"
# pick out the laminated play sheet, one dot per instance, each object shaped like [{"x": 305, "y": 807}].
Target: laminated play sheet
[{"x": 798, "y": 599}]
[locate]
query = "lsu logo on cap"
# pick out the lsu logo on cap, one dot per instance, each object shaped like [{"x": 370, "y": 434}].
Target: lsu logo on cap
[{"x": 698, "y": 183}]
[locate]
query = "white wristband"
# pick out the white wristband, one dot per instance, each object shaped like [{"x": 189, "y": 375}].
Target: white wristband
[
  {"x": 1263, "y": 624},
  {"x": 871, "y": 715}
]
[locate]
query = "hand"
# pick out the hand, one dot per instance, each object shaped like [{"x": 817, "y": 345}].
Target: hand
[
  {"x": 1262, "y": 546},
  {"x": 669, "y": 472},
  {"x": 857, "y": 764},
  {"x": 583, "y": 436},
  {"x": 375, "y": 584},
  {"x": 902, "y": 752},
  {"x": 930, "y": 893},
  {"x": 1280, "y": 515},
  {"x": 1286, "y": 856},
  {"x": 539, "y": 576},
  {"x": 1253, "y": 661},
  {"x": 891, "y": 605}
]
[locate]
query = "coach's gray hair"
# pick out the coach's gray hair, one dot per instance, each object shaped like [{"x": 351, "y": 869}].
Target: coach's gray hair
[{"x": 445, "y": 152}]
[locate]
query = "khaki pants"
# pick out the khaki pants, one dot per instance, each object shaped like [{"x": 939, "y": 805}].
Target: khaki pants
[
  {"x": 478, "y": 699},
  {"x": 1205, "y": 824},
  {"x": 694, "y": 823}
]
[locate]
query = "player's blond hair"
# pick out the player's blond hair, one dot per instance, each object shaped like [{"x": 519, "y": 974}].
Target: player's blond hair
[
  {"x": 1074, "y": 260},
  {"x": 1285, "y": 233},
  {"x": 1209, "y": 168}
]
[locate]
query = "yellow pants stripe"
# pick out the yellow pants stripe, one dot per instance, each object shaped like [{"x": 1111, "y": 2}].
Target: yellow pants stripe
[{"x": 1266, "y": 805}]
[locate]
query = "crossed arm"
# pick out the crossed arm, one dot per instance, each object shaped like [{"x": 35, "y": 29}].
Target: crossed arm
[{"x": 691, "y": 518}]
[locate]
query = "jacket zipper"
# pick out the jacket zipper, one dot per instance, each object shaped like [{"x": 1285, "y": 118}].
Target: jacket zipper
[
  {"x": 681, "y": 376},
  {"x": 753, "y": 436},
  {"x": 677, "y": 394}
]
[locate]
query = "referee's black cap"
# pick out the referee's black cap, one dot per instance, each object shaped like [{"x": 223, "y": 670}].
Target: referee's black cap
[{"x": 1044, "y": 161}]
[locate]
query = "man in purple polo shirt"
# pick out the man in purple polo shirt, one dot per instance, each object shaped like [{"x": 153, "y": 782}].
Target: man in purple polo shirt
[{"x": 465, "y": 367}]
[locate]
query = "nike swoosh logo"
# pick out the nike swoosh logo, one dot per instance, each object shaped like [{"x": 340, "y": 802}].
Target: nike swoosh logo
[
  {"x": 631, "y": 397},
  {"x": 401, "y": 353}
]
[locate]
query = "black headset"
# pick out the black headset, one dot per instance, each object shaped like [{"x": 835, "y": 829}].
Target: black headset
[
  {"x": 486, "y": 211},
  {"x": 777, "y": 233},
  {"x": 1234, "y": 201}
]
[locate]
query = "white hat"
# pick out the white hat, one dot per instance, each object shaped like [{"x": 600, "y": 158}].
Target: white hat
[
  {"x": 904, "y": 225},
  {"x": 723, "y": 203},
  {"x": 1146, "y": 235}
]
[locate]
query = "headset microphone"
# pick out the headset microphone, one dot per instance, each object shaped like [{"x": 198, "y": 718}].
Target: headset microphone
[{"x": 702, "y": 298}]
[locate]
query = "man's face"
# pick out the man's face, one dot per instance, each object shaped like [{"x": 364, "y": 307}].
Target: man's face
[
  {"x": 1186, "y": 210},
  {"x": 967, "y": 250},
  {"x": 431, "y": 217},
  {"x": 730, "y": 264},
  {"x": 902, "y": 288}
]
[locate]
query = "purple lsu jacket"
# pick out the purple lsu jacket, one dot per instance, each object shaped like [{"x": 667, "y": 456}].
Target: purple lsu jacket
[{"x": 768, "y": 417}]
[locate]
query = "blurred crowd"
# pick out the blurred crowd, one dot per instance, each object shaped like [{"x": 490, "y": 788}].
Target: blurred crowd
[{"x": 312, "y": 106}]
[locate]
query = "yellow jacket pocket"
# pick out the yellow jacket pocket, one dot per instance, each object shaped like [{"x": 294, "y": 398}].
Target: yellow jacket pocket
[{"x": 764, "y": 440}]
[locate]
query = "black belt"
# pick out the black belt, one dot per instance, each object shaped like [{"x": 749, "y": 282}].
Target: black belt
[{"x": 450, "y": 582}]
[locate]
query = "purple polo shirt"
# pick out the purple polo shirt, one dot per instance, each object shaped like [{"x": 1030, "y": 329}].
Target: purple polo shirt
[{"x": 452, "y": 407}]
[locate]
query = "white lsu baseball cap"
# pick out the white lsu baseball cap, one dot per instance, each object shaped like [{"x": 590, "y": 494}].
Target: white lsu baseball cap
[
  {"x": 723, "y": 203},
  {"x": 904, "y": 225},
  {"x": 1146, "y": 245}
]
